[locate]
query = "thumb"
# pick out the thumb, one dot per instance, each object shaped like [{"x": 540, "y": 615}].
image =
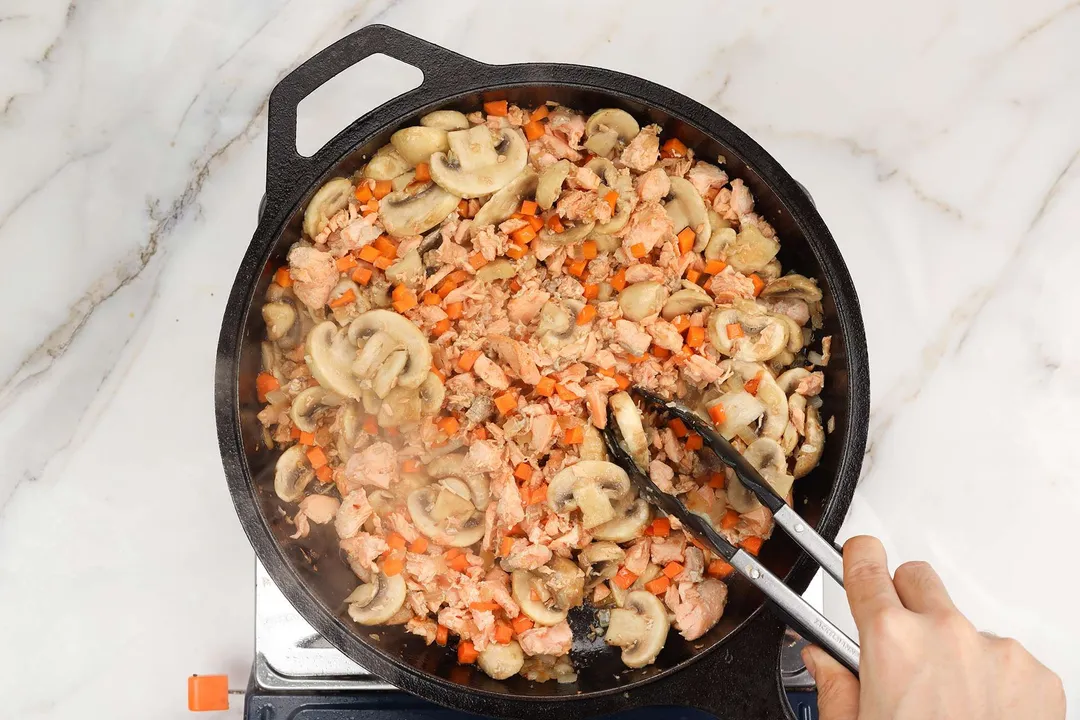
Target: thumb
[{"x": 837, "y": 688}]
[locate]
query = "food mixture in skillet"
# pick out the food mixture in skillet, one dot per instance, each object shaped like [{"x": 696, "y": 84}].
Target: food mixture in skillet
[{"x": 444, "y": 343}]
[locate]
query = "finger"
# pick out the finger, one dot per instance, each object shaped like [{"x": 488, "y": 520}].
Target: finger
[
  {"x": 837, "y": 688},
  {"x": 866, "y": 579},
  {"x": 921, "y": 589}
]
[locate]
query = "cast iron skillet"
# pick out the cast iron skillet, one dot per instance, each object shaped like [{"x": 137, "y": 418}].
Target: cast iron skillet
[{"x": 737, "y": 676}]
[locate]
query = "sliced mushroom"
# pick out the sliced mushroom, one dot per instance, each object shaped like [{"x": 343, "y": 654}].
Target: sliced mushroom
[
  {"x": 376, "y": 602},
  {"x": 794, "y": 287},
  {"x": 791, "y": 436},
  {"x": 605, "y": 243},
  {"x": 452, "y": 465},
  {"x": 570, "y": 236},
  {"x": 642, "y": 299},
  {"x": 350, "y": 420},
  {"x": 497, "y": 269},
  {"x": 330, "y": 355},
  {"x": 602, "y": 142},
  {"x": 304, "y": 406},
  {"x": 794, "y": 333},
  {"x": 622, "y": 122},
  {"x": 624, "y": 205},
  {"x": 631, "y": 517},
  {"x": 639, "y": 628},
  {"x": 403, "y": 214},
  {"x": 764, "y": 337},
  {"x": 592, "y": 445},
  {"x": 533, "y": 595},
  {"x": 327, "y": 202},
  {"x": 721, "y": 237},
  {"x": 445, "y": 120},
  {"x": 385, "y": 164},
  {"x": 479, "y": 165},
  {"x": 790, "y": 379},
  {"x": 628, "y": 418},
  {"x": 771, "y": 271},
  {"x": 401, "y": 406},
  {"x": 292, "y": 473},
  {"x": 556, "y": 325},
  {"x": 750, "y": 251},
  {"x": 501, "y": 661},
  {"x": 432, "y": 392},
  {"x": 409, "y": 266},
  {"x": 445, "y": 516},
  {"x": 686, "y": 208},
  {"x": 772, "y": 398},
  {"x": 565, "y": 580},
  {"x": 416, "y": 144},
  {"x": 387, "y": 374},
  {"x": 506, "y": 202},
  {"x": 769, "y": 459},
  {"x": 405, "y": 334},
  {"x": 402, "y": 181},
  {"x": 549, "y": 185},
  {"x": 809, "y": 453},
  {"x": 589, "y": 486},
  {"x": 600, "y": 561},
  {"x": 280, "y": 317},
  {"x": 685, "y": 302}
]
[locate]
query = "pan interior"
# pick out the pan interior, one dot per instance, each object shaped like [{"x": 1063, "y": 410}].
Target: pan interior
[{"x": 316, "y": 559}]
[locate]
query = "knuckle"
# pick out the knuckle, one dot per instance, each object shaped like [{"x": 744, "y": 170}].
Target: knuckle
[
  {"x": 914, "y": 570},
  {"x": 862, "y": 571},
  {"x": 888, "y": 622}
]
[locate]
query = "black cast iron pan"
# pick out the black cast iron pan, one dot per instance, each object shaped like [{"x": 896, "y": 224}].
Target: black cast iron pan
[{"x": 732, "y": 671}]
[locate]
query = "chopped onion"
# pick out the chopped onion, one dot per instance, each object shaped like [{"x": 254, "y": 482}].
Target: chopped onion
[
  {"x": 740, "y": 409},
  {"x": 815, "y": 357},
  {"x": 277, "y": 397},
  {"x": 745, "y": 434}
]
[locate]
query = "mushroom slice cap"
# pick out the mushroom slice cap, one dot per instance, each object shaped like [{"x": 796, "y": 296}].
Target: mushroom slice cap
[
  {"x": 602, "y": 143},
  {"x": 497, "y": 269},
  {"x": 374, "y": 351},
  {"x": 506, "y": 202},
  {"x": 445, "y": 120},
  {"x": 292, "y": 473},
  {"x": 793, "y": 286},
  {"x": 501, "y": 661},
  {"x": 388, "y": 372},
  {"x": 809, "y": 453},
  {"x": 401, "y": 406},
  {"x": 409, "y": 266},
  {"x": 773, "y": 400},
  {"x": 473, "y": 148},
  {"x": 642, "y": 299},
  {"x": 687, "y": 206},
  {"x": 768, "y": 458},
  {"x": 406, "y": 334},
  {"x": 790, "y": 378},
  {"x": 330, "y": 356},
  {"x": 385, "y": 164},
  {"x": 523, "y": 586},
  {"x": 569, "y": 236},
  {"x": 473, "y": 173},
  {"x": 641, "y": 627},
  {"x": 304, "y": 406},
  {"x": 279, "y": 317},
  {"x": 764, "y": 338},
  {"x": 685, "y": 302},
  {"x": 327, "y": 200},
  {"x": 416, "y": 144},
  {"x": 403, "y": 214},
  {"x": 751, "y": 251},
  {"x": 549, "y": 184},
  {"x": 628, "y": 418},
  {"x": 624, "y": 205},
  {"x": 631, "y": 518},
  {"x": 588, "y": 485},
  {"x": 622, "y": 122},
  {"x": 421, "y": 504},
  {"x": 375, "y": 602},
  {"x": 432, "y": 393},
  {"x": 720, "y": 239}
]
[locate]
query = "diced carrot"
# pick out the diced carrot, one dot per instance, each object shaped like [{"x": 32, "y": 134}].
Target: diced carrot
[
  {"x": 505, "y": 545},
  {"x": 370, "y": 427},
  {"x": 482, "y": 606},
  {"x": 431, "y": 298},
  {"x": 516, "y": 252},
  {"x": 565, "y": 393},
  {"x": 686, "y": 240},
  {"x": 618, "y": 281},
  {"x": 524, "y": 235},
  {"x": 382, "y": 189},
  {"x": 463, "y": 208},
  {"x": 592, "y": 291},
  {"x": 446, "y": 288},
  {"x": 589, "y": 249},
  {"x": 393, "y": 565},
  {"x": 307, "y": 438},
  {"x": 536, "y": 222},
  {"x": 545, "y": 387},
  {"x": 448, "y": 425},
  {"x": 715, "y": 267},
  {"x": 528, "y": 207},
  {"x": 622, "y": 381},
  {"x": 369, "y": 253},
  {"x": 404, "y": 300},
  {"x": 343, "y": 299},
  {"x": 395, "y": 540},
  {"x": 385, "y": 247},
  {"x": 346, "y": 263},
  {"x": 678, "y": 427},
  {"x": 466, "y": 652},
  {"x": 759, "y": 284},
  {"x": 681, "y": 322},
  {"x": 442, "y": 635},
  {"x": 264, "y": 383},
  {"x": 465, "y": 362},
  {"x": 441, "y": 327},
  {"x": 498, "y": 108},
  {"x": 695, "y": 336},
  {"x": 673, "y": 147},
  {"x": 661, "y": 527},
  {"x": 720, "y": 569},
  {"x": 325, "y": 474},
  {"x": 452, "y": 553},
  {"x": 658, "y": 586},
  {"x": 419, "y": 545},
  {"x": 506, "y": 403},
  {"x": 534, "y": 130},
  {"x": 574, "y": 436},
  {"x": 730, "y": 519},
  {"x": 521, "y": 623},
  {"x": 694, "y": 442},
  {"x": 363, "y": 192},
  {"x": 586, "y": 314},
  {"x": 294, "y": 433},
  {"x": 734, "y": 330},
  {"x": 423, "y": 172},
  {"x": 717, "y": 413},
  {"x": 382, "y": 262},
  {"x": 577, "y": 267},
  {"x": 752, "y": 544},
  {"x": 316, "y": 457},
  {"x": 672, "y": 569},
  {"x": 638, "y": 250},
  {"x": 624, "y": 578},
  {"x": 751, "y": 385},
  {"x": 523, "y": 471},
  {"x": 555, "y": 225},
  {"x": 538, "y": 495},
  {"x": 460, "y": 563},
  {"x": 477, "y": 261},
  {"x": 717, "y": 480},
  {"x": 411, "y": 465},
  {"x": 660, "y": 353},
  {"x": 693, "y": 275},
  {"x": 606, "y": 372},
  {"x": 611, "y": 198},
  {"x": 282, "y": 277},
  {"x": 539, "y": 113},
  {"x": 503, "y": 633},
  {"x": 454, "y": 310},
  {"x": 370, "y": 207}
]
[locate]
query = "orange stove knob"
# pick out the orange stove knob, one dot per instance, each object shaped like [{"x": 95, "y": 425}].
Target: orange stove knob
[{"x": 208, "y": 692}]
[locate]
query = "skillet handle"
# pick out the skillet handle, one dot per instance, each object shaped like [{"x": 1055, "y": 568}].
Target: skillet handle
[{"x": 445, "y": 73}]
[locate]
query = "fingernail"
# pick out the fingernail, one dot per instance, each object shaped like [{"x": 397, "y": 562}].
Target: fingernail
[{"x": 808, "y": 660}]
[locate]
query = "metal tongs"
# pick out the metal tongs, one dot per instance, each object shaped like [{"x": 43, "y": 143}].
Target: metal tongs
[{"x": 798, "y": 614}]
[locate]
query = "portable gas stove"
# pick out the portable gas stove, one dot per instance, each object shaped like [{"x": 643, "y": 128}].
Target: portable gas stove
[{"x": 297, "y": 674}]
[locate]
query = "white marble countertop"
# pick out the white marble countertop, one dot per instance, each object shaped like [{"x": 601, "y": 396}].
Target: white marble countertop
[{"x": 939, "y": 139}]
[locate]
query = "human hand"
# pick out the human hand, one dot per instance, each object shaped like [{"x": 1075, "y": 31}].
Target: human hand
[{"x": 920, "y": 658}]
